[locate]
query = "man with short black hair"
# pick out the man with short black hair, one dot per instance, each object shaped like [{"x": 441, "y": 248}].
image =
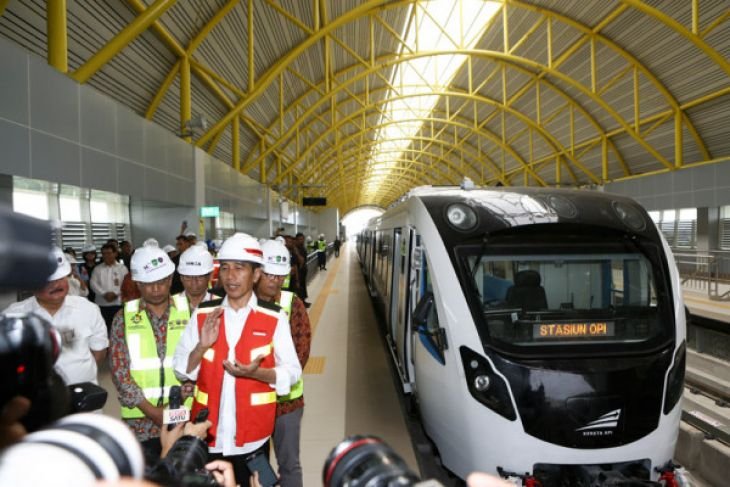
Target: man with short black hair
[{"x": 106, "y": 282}]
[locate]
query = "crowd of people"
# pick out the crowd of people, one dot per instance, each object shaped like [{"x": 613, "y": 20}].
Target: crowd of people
[{"x": 227, "y": 322}]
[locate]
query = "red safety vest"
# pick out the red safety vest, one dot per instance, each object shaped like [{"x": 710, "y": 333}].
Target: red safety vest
[{"x": 255, "y": 400}]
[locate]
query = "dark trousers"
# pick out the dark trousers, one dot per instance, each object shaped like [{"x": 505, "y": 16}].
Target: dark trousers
[
  {"x": 322, "y": 260},
  {"x": 240, "y": 469},
  {"x": 108, "y": 312}
]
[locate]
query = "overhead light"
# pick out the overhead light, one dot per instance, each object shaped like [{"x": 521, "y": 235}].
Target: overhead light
[{"x": 198, "y": 123}]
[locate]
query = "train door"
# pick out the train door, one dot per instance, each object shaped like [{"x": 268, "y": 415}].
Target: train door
[
  {"x": 433, "y": 379},
  {"x": 402, "y": 337},
  {"x": 399, "y": 298},
  {"x": 394, "y": 284}
]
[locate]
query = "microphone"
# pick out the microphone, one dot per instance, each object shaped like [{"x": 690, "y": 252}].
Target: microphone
[{"x": 175, "y": 412}]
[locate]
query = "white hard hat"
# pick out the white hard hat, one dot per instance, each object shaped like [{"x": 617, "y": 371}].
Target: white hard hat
[
  {"x": 216, "y": 244},
  {"x": 309, "y": 238},
  {"x": 88, "y": 248},
  {"x": 276, "y": 258},
  {"x": 190, "y": 234},
  {"x": 196, "y": 261},
  {"x": 63, "y": 268},
  {"x": 280, "y": 239},
  {"x": 150, "y": 263},
  {"x": 241, "y": 247},
  {"x": 71, "y": 259},
  {"x": 168, "y": 248}
]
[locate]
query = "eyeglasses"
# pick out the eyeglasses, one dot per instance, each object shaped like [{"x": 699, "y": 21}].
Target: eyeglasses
[{"x": 274, "y": 277}]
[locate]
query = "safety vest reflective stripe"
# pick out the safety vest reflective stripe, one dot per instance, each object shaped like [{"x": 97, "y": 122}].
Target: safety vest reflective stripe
[
  {"x": 297, "y": 391},
  {"x": 145, "y": 365},
  {"x": 265, "y": 350},
  {"x": 201, "y": 396},
  {"x": 154, "y": 392},
  {"x": 285, "y": 301},
  {"x": 260, "y": 398}
]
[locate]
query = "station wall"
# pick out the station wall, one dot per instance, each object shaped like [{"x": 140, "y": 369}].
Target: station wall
[
  {"x": 706, "y": 186},
  {"x": 53, "y": 129}
]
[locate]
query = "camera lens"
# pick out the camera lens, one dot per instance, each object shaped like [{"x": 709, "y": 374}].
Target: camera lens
[
  {"x": 360, "y": 461},
  {"x": 77, "y": 451}
]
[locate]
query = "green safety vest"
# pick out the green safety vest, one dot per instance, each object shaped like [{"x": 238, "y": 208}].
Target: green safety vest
[
  {"x": 321, "y": 245},
  {"x": 145, "y": 366},
  {"x": 297, "y": 390}
]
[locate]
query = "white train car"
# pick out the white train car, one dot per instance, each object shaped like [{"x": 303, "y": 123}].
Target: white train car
[{"x": 542, "y": 331}]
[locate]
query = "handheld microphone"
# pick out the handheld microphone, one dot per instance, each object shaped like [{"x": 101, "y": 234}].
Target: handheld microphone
[{"x": 175, "y": 412}]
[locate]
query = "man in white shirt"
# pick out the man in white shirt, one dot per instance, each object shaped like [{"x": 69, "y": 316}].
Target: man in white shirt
[
  {"x": 241, "y": 354},
  {"x": 106, "y": 282},
  {"x": 83, "y": 334}
]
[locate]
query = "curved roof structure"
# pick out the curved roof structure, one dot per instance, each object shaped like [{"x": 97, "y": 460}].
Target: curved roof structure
[{"x": 360, "y": 101}]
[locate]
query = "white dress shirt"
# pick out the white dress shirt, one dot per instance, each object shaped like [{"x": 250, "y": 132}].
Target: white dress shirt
[
  {"x": 287, "y": 369},
  {"x": 82, "y": 330},
  {"x": 105, "y": 279}
]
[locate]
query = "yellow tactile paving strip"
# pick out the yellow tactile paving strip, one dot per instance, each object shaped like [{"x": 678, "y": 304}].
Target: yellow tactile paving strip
[
  {"x": 321, "y": 300},
  {"x": 315, "y": 365}
]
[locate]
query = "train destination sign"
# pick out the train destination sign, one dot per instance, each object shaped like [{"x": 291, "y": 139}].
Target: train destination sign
[{"x": 574, "y": 330}]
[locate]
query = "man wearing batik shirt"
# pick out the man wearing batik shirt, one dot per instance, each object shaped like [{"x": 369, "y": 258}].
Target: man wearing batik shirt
[
  {"x": 144, "y": 336},
  {"x": 289, "y": 408}
]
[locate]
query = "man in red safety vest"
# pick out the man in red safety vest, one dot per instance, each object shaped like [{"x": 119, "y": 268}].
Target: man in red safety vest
[{"x": 240, "y": 352}]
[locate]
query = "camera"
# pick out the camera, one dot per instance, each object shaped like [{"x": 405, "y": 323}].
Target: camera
[
  {"x": 75, "y": 451},
  {"x": 366, "y": 461},
  {"x": 184, "y": 465},
  {"x": 29, "y": 346}
]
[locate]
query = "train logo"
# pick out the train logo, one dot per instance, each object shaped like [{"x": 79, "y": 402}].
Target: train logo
[{"x": 606, "y": 422}]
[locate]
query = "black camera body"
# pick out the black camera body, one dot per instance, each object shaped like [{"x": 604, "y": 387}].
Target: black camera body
[{"x": 184, "y": 465}]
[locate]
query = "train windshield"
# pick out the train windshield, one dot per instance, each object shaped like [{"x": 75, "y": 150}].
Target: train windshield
[{"x": 577, "y": 296}]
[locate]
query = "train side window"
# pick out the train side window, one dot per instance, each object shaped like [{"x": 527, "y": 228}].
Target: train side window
[{"x": 425, "y": 316}]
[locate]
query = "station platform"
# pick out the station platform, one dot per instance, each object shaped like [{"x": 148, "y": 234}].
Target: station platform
[{"x": 348, "y": 385}]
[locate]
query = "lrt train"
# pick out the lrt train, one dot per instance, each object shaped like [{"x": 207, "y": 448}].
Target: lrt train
[{"x": 541, "y": 331}]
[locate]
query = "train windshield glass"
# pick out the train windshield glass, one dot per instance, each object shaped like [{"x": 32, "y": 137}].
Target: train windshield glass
[{"x": 578, "y": 297}]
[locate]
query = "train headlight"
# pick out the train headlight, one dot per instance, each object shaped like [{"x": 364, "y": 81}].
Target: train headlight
[
  {"x": 485, "y": 385},
  {"x": 461, "y": 216},
  {"x": 629, "y": 215},
  {"x": 481, "y": 383}
]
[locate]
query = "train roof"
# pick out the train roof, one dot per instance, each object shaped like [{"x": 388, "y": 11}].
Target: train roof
[{"x": 509, "y": 207}]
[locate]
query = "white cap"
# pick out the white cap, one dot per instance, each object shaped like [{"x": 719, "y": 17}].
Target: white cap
[
  {"x": 190, "y": 234},
  {"x": 88, "y": 248},
  {"x": 168, "y": 248},
  {"x": 241, "y": 247},
  {"x": 276, "y": 258},
  {"x": 196, "y": 261},
  {"x": 150, "y": 263},
  {"x": 63, "y": 268}
]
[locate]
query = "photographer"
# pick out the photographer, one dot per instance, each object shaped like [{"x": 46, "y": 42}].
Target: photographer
[{"x": 84, "y": 339}]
